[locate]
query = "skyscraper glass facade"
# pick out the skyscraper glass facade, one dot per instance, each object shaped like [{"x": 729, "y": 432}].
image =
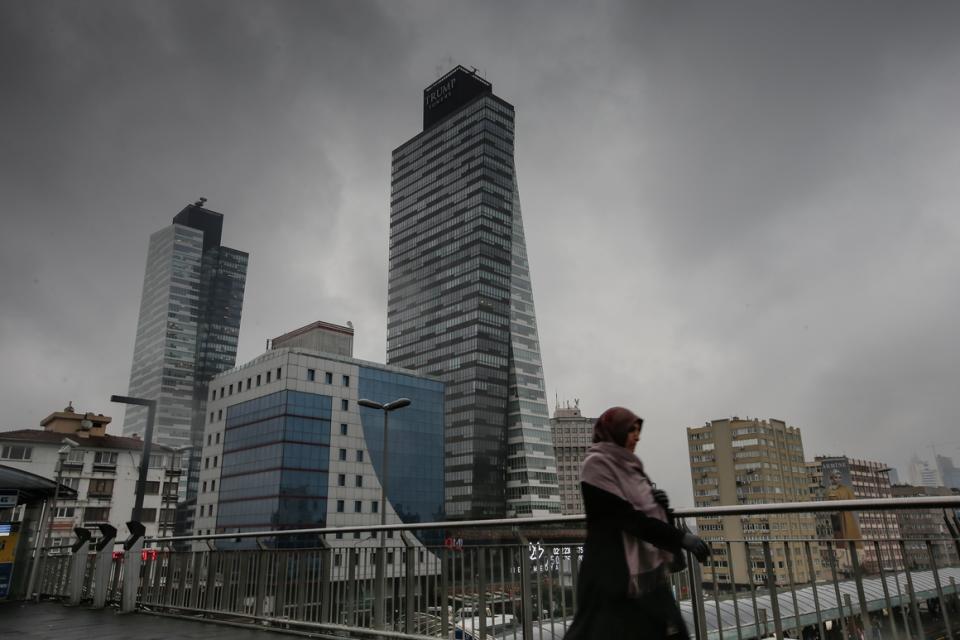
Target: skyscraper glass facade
[
  {"x": 187, "y": 330},
  {"x": 460, "y": 304}
]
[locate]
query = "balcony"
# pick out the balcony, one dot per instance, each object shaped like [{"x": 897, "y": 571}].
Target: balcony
[{"x": 517, "y": 578}]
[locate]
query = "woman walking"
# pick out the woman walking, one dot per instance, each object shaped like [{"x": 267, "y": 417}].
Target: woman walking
[{"x": 623, "y": 590}]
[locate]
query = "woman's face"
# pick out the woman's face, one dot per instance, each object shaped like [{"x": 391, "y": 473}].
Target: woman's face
[{"x": 633, "y": 437}]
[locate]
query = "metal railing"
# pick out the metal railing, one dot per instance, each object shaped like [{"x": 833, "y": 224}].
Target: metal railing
[{"x": 517, "y": 578}]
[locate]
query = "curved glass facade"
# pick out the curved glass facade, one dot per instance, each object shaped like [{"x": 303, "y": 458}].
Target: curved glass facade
[{"x": 415, "y": 446}]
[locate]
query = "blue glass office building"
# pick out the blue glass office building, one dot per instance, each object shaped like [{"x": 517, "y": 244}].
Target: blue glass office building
[{"x": 288, "y": 447}]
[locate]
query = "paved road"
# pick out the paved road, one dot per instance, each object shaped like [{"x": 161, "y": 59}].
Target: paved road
[{"x": 54, "y": 621}]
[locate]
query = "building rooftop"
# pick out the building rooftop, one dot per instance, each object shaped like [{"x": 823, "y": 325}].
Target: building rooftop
[{"x": 94, "y": 441}]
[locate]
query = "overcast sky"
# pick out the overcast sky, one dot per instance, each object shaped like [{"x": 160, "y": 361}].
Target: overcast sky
[{"x": 731, "y": 208}]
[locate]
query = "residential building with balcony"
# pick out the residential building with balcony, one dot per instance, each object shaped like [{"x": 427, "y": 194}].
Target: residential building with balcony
[
  {"x": 750, "y": 461},
  {"x": 103, "y": 469}
]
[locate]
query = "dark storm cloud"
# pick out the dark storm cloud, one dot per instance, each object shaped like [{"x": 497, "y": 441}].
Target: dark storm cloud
[{"x": 737, "y": 208}]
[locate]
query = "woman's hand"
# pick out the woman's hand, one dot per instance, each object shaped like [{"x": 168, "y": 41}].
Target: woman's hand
[{"x": 696, "y": 546}]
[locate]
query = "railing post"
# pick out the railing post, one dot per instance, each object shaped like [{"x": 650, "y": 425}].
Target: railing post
[
  {"x": 861, "y": 596},
  {"x": 103, "y": 564},
  {"x": 696, "y": 598},
  {"x": 326, "y": 590},
  {"x": 733, "y": 584},
  {"x": 832, "y": 549},
  {"x": 772, "y": 588},
  {"x": 936, "y": 581},
  {"x": 78, "y": 564},
  {"x": 526, "y": 608},
  {"x": 445, "y": 564},
  {"x": 886, "y": 591},
  {"x": 913, "y": 595},
  {"x": 482, "y": 589},
  {"x": 813, "y": 587},
  {"x": 132, "y": 547},
  {"x": 409, "y": 586}
]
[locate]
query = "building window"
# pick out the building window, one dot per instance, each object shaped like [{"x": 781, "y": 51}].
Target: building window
[
  {"x": 230, "y": 390},
  {"x": 206, "y": 463},
  {"x": 328, "y": 377},
  {"x": 217, "y": 439},
  {"x": 152, "y": 488},
  {"x": 221, "y": 391},
  {"x": 346, "y": 381},
  {"x": 375, "y": 506},
  {"x": 344, "y": 404},
  {"x": 339, "y": 536},
  {"x": 96, "y": 514},
  {"x": 343, "y": 454},
  {"x": 14, "y": 452},
  {"x": 359, "y": 455},
  {"x": 100, "y": 488},
  {"x": 343, "y": 429},
  {"x": 219, "y": 414},
  {"x": 342, "y": 479},
  {"x": 340, "y": 507},
  {"x": 209, "y": 439},
  {"x": 213, "y": 395},
  {"x": 268, "y": 376},
  {"x": 248, "y": 384},
  {"x": 215, "y": 459},
  {"x": 65, "y": 512},
  {"x": 213, "y": 485},
  {"x": 258, "y": 379},
  {"x": 204, "y": 490},
  {"x": 278, "y": 373},
  {"x": 357, "y": 506},
  {"x": 148, "y": 515},
  {"x": 359, "y": 481},
  {"x": 211, "y": 416},
  {"x": 311, "y": 375},
  {"x": 107, "y": 458}
]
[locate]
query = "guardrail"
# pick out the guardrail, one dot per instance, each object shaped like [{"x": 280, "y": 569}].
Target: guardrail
[{"x": 517, "y": 578}]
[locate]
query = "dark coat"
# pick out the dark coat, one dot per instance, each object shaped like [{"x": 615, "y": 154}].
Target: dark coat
[{"x": 603, "y": 609}]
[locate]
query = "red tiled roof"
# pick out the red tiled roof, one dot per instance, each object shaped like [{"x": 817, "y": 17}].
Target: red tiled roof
[{"x": 94, "y": 442}]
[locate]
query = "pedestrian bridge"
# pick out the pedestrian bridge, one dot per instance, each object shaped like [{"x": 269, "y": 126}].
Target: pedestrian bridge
[{"x": 498, "y": 579}]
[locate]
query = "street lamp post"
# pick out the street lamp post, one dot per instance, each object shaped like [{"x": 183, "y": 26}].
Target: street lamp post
[
  {"x": 151, "y": 406},
  {"x": 381, "y": 569}
]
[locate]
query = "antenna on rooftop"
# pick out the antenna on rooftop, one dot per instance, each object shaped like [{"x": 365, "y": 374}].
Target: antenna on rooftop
[{"x": 200, "y": 202}]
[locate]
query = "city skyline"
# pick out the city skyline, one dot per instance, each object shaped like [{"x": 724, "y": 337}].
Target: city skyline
[{"x": 729, "y": 210}]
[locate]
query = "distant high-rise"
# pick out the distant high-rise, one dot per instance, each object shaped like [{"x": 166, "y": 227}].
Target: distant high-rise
[
  {"x": 572, "y": 436},
  {"x": 460, "y": 304},
  {"x": 188, "y": 328}
]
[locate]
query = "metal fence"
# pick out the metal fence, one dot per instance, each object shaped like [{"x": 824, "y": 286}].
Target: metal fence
[{"x": 512, "y": 579}]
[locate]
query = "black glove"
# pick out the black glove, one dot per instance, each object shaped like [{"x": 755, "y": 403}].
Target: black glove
[
  {"x": 696, "y": 546},
  {"x": 660, "y": 497}
]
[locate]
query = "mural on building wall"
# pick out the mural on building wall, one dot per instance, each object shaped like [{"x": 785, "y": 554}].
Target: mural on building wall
[{"x": 838, "y": 486}]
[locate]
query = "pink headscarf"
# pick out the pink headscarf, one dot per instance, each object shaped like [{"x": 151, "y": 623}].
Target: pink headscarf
[{"x": 610, "y": 466}]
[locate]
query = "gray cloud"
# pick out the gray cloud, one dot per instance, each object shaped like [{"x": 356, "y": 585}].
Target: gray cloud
[{"x": 738, "y": 208}]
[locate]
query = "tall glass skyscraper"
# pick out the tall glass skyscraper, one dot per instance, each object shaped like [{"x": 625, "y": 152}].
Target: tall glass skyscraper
[
  {"x": 188, "y": 328},
  {"x": 460, "y": 305}
]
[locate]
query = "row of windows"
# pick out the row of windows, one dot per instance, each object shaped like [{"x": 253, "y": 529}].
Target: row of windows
[
  {"x": 358, "y": 506},
  {"x": 227, "y": 390}
]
